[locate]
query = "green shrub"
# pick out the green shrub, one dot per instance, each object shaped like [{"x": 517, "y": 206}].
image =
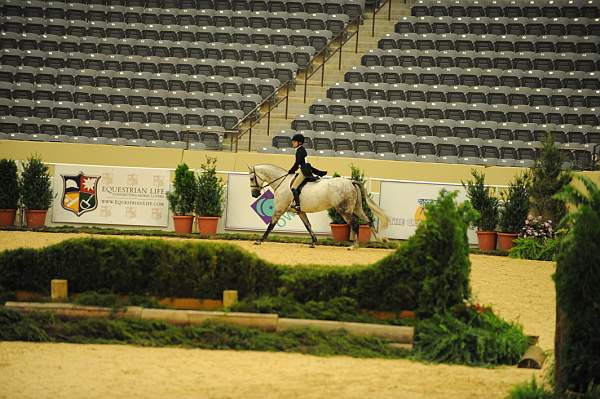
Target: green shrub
[
  {"x": 9, "y": 184},
  {"x": 515, "y": 205},
  {"x": 109, "y": 300},
  {"x": 103, "y": 298},
  {"x": 548, "y": 179},
  {"x": 17, "y": 327},
  {"x": 577, "y": 294},
  {"x": 431, "y": 270},
  {"x": 429, "y": 273},
  {"x": 483, "y": 201},
  {"x": 471, "y": 337},
  {"x": 530, "y": 390},
  {"x": 535, "y": 248},
  {"x": 183, "y": 196},
  {"x": 211, "y": 190},
  {"x": 359, "y": 176},
  {"x": 340, "y": 309},
  {"x": 334, "y": 216},
  {"x": 6, "y": 295},
  {"x": 36, "y": 184}
]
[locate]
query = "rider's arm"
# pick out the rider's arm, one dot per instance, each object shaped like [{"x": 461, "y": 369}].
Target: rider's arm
[{"x": 300, "y": 160}]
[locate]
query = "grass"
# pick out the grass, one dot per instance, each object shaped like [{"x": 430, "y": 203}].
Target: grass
[
  {"x": 530, "y": 390},
  {"x": 46, "y": 327}
]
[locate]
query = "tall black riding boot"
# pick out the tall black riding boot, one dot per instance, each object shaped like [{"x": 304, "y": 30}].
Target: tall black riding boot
[{"x": 296, "y": 204}]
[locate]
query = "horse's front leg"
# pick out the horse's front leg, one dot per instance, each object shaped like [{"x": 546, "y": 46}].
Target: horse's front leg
[
  {"x": 270, "y": 227},
  {"x": 308, "y": 226}
]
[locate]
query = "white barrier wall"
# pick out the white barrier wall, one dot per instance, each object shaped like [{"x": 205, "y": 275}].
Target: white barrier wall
[
  {"x": 403, "y": 202},
  {"x": 124, "y": 196},
  {"x": 111, "y": 195},
  {"x": 246, "y": 213}
]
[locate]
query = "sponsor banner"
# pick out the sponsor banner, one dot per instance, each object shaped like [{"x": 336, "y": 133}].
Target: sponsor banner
[
  {"x": 246, "y": 213},
  {"x": 111, "y": 195},
  {"x": 403, "y": 202}
]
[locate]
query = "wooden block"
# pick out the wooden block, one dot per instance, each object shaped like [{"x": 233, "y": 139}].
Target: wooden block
[
  {"x": 230, "y": 298},
  {"x": 532, "y": 359},
  {"x": 59, "y": 290}
]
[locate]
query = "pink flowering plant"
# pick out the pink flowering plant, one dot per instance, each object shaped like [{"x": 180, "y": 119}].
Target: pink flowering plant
[
  {"x": 537, "y": 227},
  {"x": 538, "y": 240}
]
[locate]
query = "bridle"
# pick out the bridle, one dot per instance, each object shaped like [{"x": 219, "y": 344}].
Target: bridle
[{"x": 258, "y": 187}]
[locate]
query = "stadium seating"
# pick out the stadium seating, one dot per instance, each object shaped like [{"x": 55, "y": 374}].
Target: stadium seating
[
  {"x": 171, "y": 73},
  {"x": 481, "y": 82}
]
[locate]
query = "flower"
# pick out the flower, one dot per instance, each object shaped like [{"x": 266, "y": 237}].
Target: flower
[{"x": 537, "y": 227}]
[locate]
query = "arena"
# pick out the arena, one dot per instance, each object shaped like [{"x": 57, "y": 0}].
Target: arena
[
  {"x": 113, "y": 100},
  {"x": 521, "y": 291}
]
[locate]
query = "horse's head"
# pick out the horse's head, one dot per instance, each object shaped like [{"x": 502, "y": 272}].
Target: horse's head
[{"x": 254, "y": 184}]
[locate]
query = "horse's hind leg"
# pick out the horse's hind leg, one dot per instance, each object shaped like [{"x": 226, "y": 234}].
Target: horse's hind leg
[
  {"x": 348, "y": 218},
  {"x": 308, "y": 226}
]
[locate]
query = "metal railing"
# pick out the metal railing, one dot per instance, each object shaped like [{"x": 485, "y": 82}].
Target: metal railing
[
  {"x": 379, "y": 8},
  {"x": 272, "y": 101},
  {"x": 236, "y": 132},
  {"x": 328, "y": 52}
]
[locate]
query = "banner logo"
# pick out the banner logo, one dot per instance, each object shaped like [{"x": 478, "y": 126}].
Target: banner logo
[
  {"x": 420, "y": 211},
  {"x": 80, "y": 193},
  {"x": 264, "y": 206}
]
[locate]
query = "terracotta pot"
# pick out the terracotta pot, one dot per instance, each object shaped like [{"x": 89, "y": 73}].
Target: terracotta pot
[
  {"x": 364, "y": 233},
  {"x": 340, "y": 232},
  {"x": 7, "y": 217},
  {"x": 207, "y": 225},
  {"x": 505, "y": 240},
  {"x": 487, "y": 240},
  {"x": 183, "y": 224},
  {"x": 35, "y": 218}
]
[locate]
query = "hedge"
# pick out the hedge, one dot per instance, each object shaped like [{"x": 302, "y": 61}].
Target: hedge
[
  {"x": 429, "y": 273},
  {"x": 577, "y": 344}
]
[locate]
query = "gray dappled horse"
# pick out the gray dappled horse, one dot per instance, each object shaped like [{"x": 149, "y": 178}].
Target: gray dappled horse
[{"x": 340, "y": 193}]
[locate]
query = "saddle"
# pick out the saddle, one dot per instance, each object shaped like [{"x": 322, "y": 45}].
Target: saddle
[{"x": 311, "y": 175}]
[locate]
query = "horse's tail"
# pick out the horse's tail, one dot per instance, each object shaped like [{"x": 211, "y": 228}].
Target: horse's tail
[{"x": 383, "y": 219}]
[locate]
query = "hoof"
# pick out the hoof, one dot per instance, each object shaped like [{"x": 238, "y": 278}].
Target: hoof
[
  {"x": 257, "y": 242},
  {"x": 312, "y": 245}
]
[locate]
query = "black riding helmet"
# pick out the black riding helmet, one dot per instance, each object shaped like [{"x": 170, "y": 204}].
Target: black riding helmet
[{"x": 298, "y": 137}]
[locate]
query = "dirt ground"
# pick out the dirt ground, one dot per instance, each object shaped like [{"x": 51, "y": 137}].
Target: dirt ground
[{"x": 518, "y": 290}]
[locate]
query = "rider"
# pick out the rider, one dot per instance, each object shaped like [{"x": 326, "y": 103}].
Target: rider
[
  {"x": 301, "y": 168},
  {"x": 298, "y": 168}
]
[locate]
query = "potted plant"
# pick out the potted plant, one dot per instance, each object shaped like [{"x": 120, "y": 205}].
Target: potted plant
[
  {"x": 209, "y": 199},
  {"x": 486, "y": 204},
  {"x": 182, "y": 198},
  {"x": 514, "y": 211},
  {"x": 363, "y": 226},
  {"x": 37, "y": 193},
  {"x": 340, "y": 230},
  {"x": 9, "y": 192}
]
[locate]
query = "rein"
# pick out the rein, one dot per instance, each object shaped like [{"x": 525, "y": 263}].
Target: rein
[
  {"x": 279, "y": 178},
  {"x": 269, "y": 183}
]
